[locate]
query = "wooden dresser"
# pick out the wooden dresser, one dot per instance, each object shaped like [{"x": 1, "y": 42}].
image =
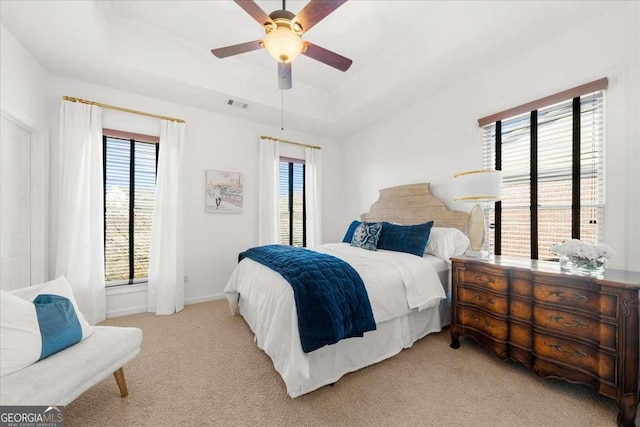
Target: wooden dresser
[{"x": 576, "y": 328}]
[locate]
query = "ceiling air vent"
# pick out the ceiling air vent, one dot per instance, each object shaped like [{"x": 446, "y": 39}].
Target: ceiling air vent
[{"x": 237, "y": 104}]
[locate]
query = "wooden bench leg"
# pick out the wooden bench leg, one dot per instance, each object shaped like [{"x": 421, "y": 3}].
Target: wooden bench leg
[{"x": 122, "y": 384}]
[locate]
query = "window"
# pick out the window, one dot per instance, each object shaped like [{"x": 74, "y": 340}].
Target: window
[
  {"x": 552, "y": 175},
  {"x": 129, "y": 194},
  {"x": 292, "y": 204}
]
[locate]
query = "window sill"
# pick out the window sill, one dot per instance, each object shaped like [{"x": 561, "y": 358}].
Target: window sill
[{"x": 126, "y": 289}]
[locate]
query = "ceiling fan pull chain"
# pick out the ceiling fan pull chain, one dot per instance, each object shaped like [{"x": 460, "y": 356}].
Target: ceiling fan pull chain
[{"x": 282, "y": 103}]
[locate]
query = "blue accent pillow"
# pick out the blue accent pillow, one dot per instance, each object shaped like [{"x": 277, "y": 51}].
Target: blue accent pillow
[
  {"x": 349, "y": 234},
  {"x": 411, "y": 239},
  {"x": 59, "y": 325},
  {"x": 37, "y": 322},
  {"x": 366, "y": 236}
]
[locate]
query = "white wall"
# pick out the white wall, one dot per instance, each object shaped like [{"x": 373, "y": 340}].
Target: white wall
[
  {"x": 23, "y": 82},
  {"x": 213, "y": 141},
  {"x": 432, "y": 140},
  {"x": 23, "y": 100}
]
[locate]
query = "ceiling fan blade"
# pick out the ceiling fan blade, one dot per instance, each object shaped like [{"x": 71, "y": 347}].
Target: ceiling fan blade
[
  {"x": 315, "y": 11},
  {"x": 326, "y": 56},
  {"x": 237, "y": 49},
  {"x": 284, "y": 75},
  {"x": 254, "y": 10}
]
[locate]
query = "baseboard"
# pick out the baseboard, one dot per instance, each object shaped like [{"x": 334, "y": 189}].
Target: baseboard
[
  {"x": 126, "y": 311},
  {"x": 143, "y": 308},
  {"x": 205, "y": 298}
]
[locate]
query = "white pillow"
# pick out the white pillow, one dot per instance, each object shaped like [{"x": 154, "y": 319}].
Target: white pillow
[
  {"x": 445, "y": 242},
  {"x": 30, "y": 331}
]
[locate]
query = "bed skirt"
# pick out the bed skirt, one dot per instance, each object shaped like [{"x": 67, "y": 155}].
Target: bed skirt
[{"x": 328, "y": 364}]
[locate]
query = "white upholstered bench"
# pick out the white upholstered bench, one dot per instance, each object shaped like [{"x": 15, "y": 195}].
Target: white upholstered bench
[{"x": 62, "y": 377}]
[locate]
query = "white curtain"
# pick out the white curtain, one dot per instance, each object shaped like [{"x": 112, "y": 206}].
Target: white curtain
[
  {"x": 269, "y": 188},
  {"x": 313, "y": 193},
  {"x": 80, "y": 245},
  {"x": 166, "y": 259}
]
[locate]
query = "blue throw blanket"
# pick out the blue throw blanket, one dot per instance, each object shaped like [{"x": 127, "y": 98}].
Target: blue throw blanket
[{"x": 331, "y": 300}]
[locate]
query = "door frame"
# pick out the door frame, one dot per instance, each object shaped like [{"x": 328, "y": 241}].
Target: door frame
[{"x": 39, "y": 197}]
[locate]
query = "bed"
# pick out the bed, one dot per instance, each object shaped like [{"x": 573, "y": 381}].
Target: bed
[{"x": 409, "y": 296}]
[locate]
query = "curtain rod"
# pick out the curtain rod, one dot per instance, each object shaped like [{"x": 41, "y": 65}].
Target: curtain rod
[
  {"x": 290, "y": 142},
  {"x": 126, "y": 110}
]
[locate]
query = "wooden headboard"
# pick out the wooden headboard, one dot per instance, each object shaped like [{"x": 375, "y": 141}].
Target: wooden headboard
[{"x": 414, "y": 204}]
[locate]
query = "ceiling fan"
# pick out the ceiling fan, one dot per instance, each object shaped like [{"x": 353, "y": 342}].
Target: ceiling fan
[{"x": 283, "y": 39}]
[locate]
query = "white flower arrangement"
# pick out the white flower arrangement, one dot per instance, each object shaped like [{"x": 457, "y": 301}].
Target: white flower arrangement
[{"x": 580, "y": 249}]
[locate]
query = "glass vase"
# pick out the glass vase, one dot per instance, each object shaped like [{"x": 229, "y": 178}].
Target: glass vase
[{"x": 582, "y": 266}]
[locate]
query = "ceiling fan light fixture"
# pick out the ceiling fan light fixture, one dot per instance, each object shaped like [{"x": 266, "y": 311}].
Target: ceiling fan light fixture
[
  {"x": 297, "y": 28},
  {"x": 283, "y": 39},
  {"x": 283, "y": 44}
]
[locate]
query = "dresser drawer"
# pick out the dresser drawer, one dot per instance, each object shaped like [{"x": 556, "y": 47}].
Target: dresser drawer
[
  {"x": 520, "y": 335},
  {"x": 520, "y": 309},
  {"x": 572, "y": 324},
  {"x": 521, "y": 286},
  {"x": 491, "y": 302},
  {"x": 480, "y": 278},
  {"x": 570, "y": 353},
  {"x": 495, "y": 328},
  {"x": 582, "y": 299}
]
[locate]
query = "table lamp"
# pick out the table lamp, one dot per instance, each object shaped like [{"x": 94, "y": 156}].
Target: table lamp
[{"x": 477, "y": 186}]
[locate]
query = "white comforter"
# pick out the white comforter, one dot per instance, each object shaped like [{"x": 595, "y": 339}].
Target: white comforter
[{"x": 397, "y": 283}]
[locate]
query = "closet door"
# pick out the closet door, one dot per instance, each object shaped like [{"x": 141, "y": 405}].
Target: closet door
[{"x": 15, "y": 205}]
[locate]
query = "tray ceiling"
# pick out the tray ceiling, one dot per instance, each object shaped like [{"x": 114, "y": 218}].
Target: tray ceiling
[{"x": 402, "y": 51}]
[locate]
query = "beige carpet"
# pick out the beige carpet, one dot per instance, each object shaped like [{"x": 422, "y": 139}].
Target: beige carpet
[{"x": 201, "y": 367}]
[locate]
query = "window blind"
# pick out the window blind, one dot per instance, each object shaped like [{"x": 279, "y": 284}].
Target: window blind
[
  {"x": 145, "y": 192},
  {"x": 553, "y": 132},
  {"x": 130, "y": 185},
  {"x": 592, "y": 192},
  {"x": 292, "y": 208},
  {"x": 489, "y": 162},
  {"x": 117, "y": 188}
]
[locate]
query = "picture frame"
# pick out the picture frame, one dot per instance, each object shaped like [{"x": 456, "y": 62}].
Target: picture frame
[{"x": 223, "y": 192}]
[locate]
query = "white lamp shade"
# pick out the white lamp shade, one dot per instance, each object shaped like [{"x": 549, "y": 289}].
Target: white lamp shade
[
  {"x": 283, "y": 44},
  {"x": 477, "y": 186}
]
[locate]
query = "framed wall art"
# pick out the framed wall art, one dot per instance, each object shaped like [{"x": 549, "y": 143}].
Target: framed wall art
[{"x": 223, "y": 192}]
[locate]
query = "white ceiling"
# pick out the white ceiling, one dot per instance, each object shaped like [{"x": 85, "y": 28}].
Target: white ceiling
[{"x": 402, "y": 51}]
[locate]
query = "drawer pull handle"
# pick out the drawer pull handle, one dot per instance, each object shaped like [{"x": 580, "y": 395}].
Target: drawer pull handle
[
  {"x": 575, "y": 324},
  {"x": 573, "y": 297},
  {"x": 484, "y": 280},
  {"x": 570, "y": 352},
  {"x": 485, "y": 321},
  {"x": 478, "y": 297}
]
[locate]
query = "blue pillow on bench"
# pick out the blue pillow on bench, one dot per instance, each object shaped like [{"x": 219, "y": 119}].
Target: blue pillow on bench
[
  {"x": 36, "y": 329},
  {"x": 411, "y": 239}
]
